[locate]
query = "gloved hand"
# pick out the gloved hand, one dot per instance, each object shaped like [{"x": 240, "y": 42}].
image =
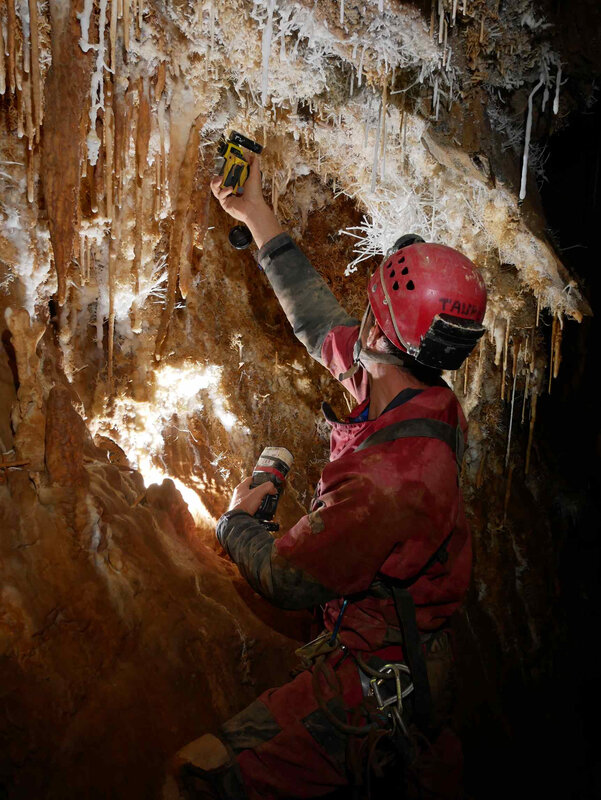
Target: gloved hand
[{"x": 249, "y": 500}]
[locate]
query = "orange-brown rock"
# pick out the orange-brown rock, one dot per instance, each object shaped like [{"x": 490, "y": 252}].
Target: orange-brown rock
[
  {"x": 66, "y": 100},
  {"x": 66, "y": 438},
  {"x": 122, "y": 636}
]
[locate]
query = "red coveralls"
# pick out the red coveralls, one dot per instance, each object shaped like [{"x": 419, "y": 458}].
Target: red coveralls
[{"x": 385, "y": 509}]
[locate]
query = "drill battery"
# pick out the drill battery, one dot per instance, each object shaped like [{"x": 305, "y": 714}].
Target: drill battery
[
  {"x": 231, "y": 163},
  {"x": 273, "y": 465}
]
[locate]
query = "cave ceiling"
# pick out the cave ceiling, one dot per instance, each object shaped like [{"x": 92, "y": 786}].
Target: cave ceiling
[{"x": 402, "y": 116}]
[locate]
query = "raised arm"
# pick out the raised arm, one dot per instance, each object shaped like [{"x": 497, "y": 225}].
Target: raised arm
[{"x": 309, "y": 305}]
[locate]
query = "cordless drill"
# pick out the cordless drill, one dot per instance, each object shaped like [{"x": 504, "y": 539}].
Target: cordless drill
[
  {"x": 273, "y": 465},
  {"x": 233, "y": 167}
]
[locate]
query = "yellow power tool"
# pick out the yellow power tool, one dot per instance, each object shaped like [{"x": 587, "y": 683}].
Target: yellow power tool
[{"x": 231, "y": 163}]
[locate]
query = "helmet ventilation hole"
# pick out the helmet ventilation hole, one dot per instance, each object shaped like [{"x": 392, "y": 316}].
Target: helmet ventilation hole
[
  {"x": 392, "y": 274},
  {"x": 395, "y": 285},
  {"x": 401, "y": 260},
  {"x": 405, "y": 271},
  {"x": 411, "y": 286}
]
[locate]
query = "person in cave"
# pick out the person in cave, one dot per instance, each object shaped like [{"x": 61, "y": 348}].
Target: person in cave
[{"x": 385, "y": 549}]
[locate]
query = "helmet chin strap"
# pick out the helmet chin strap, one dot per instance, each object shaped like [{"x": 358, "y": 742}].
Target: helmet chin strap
[{"x": 362, "y": 356}]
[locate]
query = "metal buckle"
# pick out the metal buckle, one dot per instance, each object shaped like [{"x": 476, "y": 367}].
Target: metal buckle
[{"x": 394, "y": 703}]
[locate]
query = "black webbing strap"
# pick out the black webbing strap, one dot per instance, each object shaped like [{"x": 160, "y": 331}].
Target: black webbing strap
[
  {"x": 420, "y": 427},
  {"x": 412, "y": 650}
]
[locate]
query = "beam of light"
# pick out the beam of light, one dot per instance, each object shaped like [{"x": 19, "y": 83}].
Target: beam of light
[{"x": 137, "y": 426}]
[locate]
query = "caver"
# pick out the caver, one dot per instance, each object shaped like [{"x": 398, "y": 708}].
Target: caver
[{"x": 385, "y": 549}]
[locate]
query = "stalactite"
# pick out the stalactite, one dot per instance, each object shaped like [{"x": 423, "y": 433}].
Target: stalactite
[
  {"x": 159, "y": 85},
  {"x": 198, "y": 214},
  {"x": 108, "y": 129},
  {"x": 516, "y": 355},
  {"x": 527, "y": 139},
  {"x": 552, "y": 353},
  {"x": 36, "y": 78},
  {"x": 266, "y": 51},
  {"x": 505, "y": 355},
  {"x": 557, "y": 90},
  {"x": 360, "y": 70},
  {"x": 82, "y": 255},
  {"x": 531, "y": 430},
  {"x": 162, "y": 151},
  {"x": 11, "y": 24},
  {"x": 113, "y": 36},
  {"x": 20, "y": 106},
  {"x": 374, "y": 167},
  {"x": 114, "y": 241},
  {"x": 122, "y": 112},
  {"x": 97, "y": 85},
  {"x": 138, "y": 238},
  {"x": 142, "y": 141},
  {"x": 526, "y": 387},
  {"x": 88, "y": 253},
  {"x": 440, "y": 21},
  {"x": 186, "y": 177},
  {"x": 91, "y": 179},
  {"x": 143, "y": 129},
  {"x": 157, "y": 200},
  {"x": 465, "y": 374},
  {"x": 508, "y": 492},
  {"x": 209, "y": 56},
  {"x": 29, "y": 127},
  {"x": 383, "y": 133},
  {"x": 30, "y": 163},
  {"x": 61, "y": 155},
  {"x": 556, "y": 357},
  {"x": 401, "y": 127},
  {"x": 2, "y": 62},
  {"x": 126, "y": 25}
]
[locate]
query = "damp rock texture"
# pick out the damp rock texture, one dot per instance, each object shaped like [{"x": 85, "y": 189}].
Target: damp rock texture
[
  {"x": 122, "y": 635},
  {"x": 145, "y": 363}
]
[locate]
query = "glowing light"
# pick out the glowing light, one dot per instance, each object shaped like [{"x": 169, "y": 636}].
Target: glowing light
[
  {"x": 196, "y": 507},
  {"x": 137, "y": 426}
]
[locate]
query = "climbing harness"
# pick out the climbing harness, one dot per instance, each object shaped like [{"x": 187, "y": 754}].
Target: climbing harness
[{"x": 396, "y": 714}]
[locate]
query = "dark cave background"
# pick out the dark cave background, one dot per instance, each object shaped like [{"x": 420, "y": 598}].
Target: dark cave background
[{"x": 539, "y": 737}]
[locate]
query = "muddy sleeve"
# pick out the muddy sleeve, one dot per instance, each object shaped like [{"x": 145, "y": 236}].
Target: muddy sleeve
[
  {"x": 309, "y": 305},
  {"x": 251, "y": 547},
  {"x": 399, "y": 495}
]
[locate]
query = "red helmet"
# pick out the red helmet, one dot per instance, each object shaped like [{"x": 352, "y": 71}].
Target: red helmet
[{"x": 429, "y": 300}]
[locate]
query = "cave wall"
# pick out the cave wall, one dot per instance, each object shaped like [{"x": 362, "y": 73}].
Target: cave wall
[{"x": 141, "y": 347}]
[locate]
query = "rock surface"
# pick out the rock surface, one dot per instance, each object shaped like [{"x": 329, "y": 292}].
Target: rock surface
[{"x": 122, "y": 634}]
